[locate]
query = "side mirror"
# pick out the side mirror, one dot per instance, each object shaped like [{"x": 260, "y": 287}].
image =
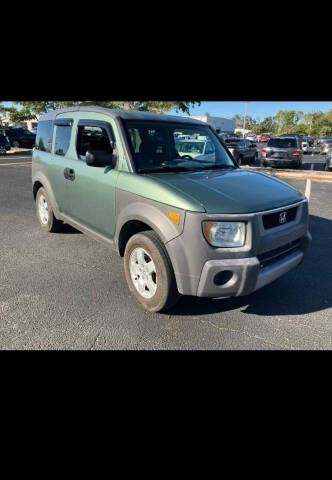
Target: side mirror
[{"x": 98, "y": 158}]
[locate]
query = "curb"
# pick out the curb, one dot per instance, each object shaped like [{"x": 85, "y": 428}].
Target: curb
[{"x": 298, "y": 174}]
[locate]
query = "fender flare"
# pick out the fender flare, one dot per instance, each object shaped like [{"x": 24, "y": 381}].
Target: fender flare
[
  {"x": 154, "y": 216},
  {"x": 42, "y": 178}
]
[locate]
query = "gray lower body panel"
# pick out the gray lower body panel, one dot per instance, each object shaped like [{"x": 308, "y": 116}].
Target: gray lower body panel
[{"x": 238, "y": 276}]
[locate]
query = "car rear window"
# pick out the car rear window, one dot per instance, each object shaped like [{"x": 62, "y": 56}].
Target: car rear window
[
  {"x": 233, "y": 141},
  {"x": 282, "y": 142}
]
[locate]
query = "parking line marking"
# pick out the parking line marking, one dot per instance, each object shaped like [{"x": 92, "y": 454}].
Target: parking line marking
[
  {"x": 308, "y": 189},
  {"x": 17, "y": 163}
]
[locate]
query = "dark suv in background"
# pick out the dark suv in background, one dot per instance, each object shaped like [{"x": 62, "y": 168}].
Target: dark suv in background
[
  {"x": 282, "y": 151},
  {"x": 20, "y": 137},
  {"x": 243, "y": 150}
]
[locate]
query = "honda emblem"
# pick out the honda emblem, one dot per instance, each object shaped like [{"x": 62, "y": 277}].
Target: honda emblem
[{"x": 282, "y": 217}]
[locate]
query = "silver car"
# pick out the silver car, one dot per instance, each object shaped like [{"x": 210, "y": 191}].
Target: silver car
[{"x": 282, "y": 152}]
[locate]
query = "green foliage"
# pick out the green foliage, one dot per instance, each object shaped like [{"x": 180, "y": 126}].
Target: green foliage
[{"x": 31, "y": 110}]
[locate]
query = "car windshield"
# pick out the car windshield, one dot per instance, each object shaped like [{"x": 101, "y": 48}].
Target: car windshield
[
  {"x": 282, "y": 142},
  {"x": 167, "y": 146}
]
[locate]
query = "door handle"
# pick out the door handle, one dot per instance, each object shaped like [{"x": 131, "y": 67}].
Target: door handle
[{"x": 69, "y": 173}]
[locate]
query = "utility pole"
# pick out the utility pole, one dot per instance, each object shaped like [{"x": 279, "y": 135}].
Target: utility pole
[{"x": 244, "y": 117}]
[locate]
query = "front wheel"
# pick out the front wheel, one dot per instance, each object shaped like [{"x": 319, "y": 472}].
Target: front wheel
[
  {"x": 16, "y": 144},
  {"x": 149, "y": 272}
]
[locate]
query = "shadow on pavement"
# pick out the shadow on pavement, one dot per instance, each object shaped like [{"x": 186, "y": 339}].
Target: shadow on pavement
[
  {"x": 303, "y": 290},
  {"x": 68, "y": 229}
]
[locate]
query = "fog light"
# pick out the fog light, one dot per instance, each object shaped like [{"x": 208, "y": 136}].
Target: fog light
[{"x": 222, "y": 277}]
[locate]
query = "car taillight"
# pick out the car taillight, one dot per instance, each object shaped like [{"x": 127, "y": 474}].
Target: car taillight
[
  {"x": 263, "y": 151},
  {"x": 296, "y": 152},
  {"x": 324, "y": 145},
  {"x": 231, "y": 150}
]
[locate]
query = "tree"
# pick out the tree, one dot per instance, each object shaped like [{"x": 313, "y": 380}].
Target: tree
[{"x": 31, "y": 110}]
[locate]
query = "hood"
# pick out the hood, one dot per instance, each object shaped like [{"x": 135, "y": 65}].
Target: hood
[{"x": 235, "y": 191}]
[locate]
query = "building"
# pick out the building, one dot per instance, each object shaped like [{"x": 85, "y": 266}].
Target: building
[
  {"x": 218, "y": 123},
  {"x": 5, "y": 122}
]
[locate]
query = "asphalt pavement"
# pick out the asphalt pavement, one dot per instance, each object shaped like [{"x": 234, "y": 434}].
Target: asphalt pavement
[{"x": 66, "y": 291}]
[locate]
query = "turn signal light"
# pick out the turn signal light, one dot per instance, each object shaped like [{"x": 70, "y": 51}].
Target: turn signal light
[{"x": 174, "y": 216}]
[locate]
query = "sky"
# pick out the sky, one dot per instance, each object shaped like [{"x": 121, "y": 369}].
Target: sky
[{"x": 254, "y": 109}]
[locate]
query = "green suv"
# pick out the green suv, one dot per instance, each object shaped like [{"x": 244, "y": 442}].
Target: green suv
[{"x": 185, "y": 224}]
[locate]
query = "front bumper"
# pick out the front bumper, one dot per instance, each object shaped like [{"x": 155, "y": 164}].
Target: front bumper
[
  {"x": 248, "y": 274},
  {"x": 205, "y": 271}
]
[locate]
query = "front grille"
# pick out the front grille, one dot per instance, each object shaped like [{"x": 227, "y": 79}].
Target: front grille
[
  {"x": 279, "y": 218},
  {"x": 277, "y": 254}
]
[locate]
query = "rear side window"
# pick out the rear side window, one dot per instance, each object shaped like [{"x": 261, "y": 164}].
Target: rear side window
[
  {"x": 62, "y": 139},
  {"x": 44, "y": 136},
  {"x": 282, "y": 142}
]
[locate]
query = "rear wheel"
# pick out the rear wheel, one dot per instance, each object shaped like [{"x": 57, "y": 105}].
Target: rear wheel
[
  {"x": 16, "y": 144},
  {"x": 45, "y": 214},
  {"x": 149, "y": 272}
]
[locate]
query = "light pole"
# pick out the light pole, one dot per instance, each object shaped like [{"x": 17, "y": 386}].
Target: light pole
[{"x": 244, "y": 117}]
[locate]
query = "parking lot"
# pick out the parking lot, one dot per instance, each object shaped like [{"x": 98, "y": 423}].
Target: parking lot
[{"x": 66, "y": 291}]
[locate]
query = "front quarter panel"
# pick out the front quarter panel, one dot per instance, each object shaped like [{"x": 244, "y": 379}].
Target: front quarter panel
[{"x": 130, "y": 206}]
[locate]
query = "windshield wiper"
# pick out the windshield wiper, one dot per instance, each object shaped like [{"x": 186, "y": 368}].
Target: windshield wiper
[{"x": 165, "y": 168}]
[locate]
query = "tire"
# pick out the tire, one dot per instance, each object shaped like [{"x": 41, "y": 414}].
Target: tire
[
  {"x": 254, "y": 158},
  {"x": 262, "y": 163},
  {"x": 45, "y": 215},
  {"x": 158, "y": 287},
  {"x": 239, "y": 161},
  {"x": 16, "y": 144}
]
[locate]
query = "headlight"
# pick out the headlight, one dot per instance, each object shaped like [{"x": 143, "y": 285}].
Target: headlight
[{"x": 225, "y": 234}]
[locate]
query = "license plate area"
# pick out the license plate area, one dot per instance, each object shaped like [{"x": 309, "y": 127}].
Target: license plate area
[{"x": 279, "y": 155}]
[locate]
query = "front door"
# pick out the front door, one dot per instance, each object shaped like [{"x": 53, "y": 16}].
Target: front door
[{"x": 91, "y": 190}]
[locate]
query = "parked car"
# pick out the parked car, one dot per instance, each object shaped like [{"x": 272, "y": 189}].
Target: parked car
[
  {"x": 182, "y": 226},
  {"x": 305, "y": 146},
  {"x": 242, "y": 149},
  {"x": 282, "y": 152},
  {"x": 288, "y": 135},
  {"x": 325, "y": 146},
  {"x": 202, "y": 149},
  {"x": 225, "y": 135},
  {"x": 4, "y": 143},
  {"x": 328, "y": 161},
  {"x": 20, "y": 137},
  {"x": 263, "y": 137},
  {"x": 252, "y": 137},
  {"x": 321, "y": 140}
]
